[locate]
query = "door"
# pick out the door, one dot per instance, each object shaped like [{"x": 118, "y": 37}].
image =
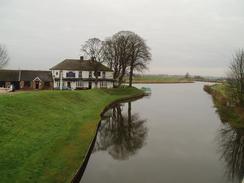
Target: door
[
  {"x": 37, "y": 84},
  {"x": 68, "y": 84},
  {"x": 90, "y": 85},
  {"x": 16, "y": 85}
]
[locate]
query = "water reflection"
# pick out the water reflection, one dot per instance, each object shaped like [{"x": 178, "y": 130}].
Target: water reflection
[
  {"x": 121, "y": 133},
  {"x": 231, "y": 148},
  {"x": 230, "y": 145},
  {"x": 180, "y": 146}
]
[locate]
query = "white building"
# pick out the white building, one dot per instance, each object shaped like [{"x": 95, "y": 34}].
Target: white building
[{"x": 79, "y": 74}]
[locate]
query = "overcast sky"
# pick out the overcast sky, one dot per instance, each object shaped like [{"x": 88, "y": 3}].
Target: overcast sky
[{"x": 195, "y": 36}]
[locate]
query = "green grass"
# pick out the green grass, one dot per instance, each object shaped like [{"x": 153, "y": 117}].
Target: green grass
[
  {"x": 45, "y": 135},
  {"x": 232, "y": 114},
  {"x": 159, "y": 79},
  {"x": 221, "y": 88}
]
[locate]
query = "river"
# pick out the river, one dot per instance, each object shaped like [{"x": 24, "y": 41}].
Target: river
[{"x": 173, "y": 136}]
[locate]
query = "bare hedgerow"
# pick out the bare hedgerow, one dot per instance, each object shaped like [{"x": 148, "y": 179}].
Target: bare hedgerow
[{"x": 236, "y": 78}]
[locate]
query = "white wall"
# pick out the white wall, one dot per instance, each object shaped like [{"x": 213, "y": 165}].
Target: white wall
[
  {"x": 109, "y": 75},
  {"x": 110, "y": 85},
  {"x": 85, "y": 74},
  {"x": 55, "y": 84},
  {"x": 85, "y": 84},
  {"x": 54, "y": 73}
]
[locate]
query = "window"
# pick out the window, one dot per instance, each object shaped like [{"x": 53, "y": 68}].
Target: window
[
  {"x": 58, "y": 83},
  {"x": 47, "y": 84},
  {"x": 104, "y": 74},
  {"x": 27, "y": 84},
  {"x": 90, "y": 74},
  {"x": 103, "y": 84},
  {"x": 79, "y": 84},
  {"x": 80, "y": 74},
  {"x": 70, "y": 74},
  {"x": 56, "y": 73},
  {"x": 97, "y": 74}
]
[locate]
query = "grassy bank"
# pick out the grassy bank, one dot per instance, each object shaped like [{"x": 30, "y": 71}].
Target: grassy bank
[
  {"x": 232, "y": 114},
  {"x": 160, "y": 79},
  {"x": 45, "y": 135}
]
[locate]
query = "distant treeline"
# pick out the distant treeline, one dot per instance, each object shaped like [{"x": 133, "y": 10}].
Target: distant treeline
[{"x": 164, "y": 78}]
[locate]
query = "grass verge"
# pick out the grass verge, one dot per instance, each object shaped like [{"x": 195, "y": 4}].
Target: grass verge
[
  {"x": 232, "y": 114},
  {"x": 44, "y": 135}
]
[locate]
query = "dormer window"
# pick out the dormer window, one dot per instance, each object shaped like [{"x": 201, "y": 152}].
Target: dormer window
[{"x": 70, "y": 74}]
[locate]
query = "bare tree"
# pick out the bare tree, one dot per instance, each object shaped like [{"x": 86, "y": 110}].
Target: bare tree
[
  {"x": 110, "y": 53},
  {"x": 139, "y": 55},
  {"x": 117, "y": 54},
  {"x": 93, "y": 48},
  {"x": 122, "y": 41},
  {"x": 236, "y": 78},
  {"x": 187, "y": 75},
  {"x": 4, "y": 58},
  {"x": 126, "y": 52}
]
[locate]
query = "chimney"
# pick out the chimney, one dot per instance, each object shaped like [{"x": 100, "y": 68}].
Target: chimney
[{"x": 81, "y": 58}]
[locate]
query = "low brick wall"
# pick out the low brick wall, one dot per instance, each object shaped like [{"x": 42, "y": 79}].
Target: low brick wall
[{"x": 3, "y": 90}]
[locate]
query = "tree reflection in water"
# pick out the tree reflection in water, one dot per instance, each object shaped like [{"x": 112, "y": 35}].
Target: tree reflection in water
[
  {"x": 120, "y": 134},
  {"x": 231, "y": 148}
]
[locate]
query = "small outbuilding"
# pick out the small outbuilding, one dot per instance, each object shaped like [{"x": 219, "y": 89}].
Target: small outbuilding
[{"x": 26, "y": 79}]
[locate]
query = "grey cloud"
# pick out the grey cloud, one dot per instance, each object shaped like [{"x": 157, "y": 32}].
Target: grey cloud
[{"x": 188, "y": 35}]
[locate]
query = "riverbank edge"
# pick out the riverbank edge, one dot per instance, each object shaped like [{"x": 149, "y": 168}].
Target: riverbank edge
[
  {"x": 223, "y": 102},
  {"x": 80, "y": 171},
  {"x": 216, "y": 95}
]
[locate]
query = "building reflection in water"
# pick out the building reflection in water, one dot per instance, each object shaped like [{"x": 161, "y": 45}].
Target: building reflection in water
[
  {"x": 231, "y": 148},
  {"x": 121, "y": 133}
]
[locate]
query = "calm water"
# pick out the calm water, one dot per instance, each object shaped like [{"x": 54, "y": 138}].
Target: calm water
[{"x": 173, "y": 136}]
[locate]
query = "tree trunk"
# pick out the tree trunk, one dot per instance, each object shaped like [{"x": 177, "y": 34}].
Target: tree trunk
[
  {"x": 96, "y": 81},
  {"x": 121, "y": 77},
  {"x": 129, "y": 112},
  {"x": 120, "y": 80},
  {"x": 129, "y": 119},
  {"x": 131, "y": 76},
  {"x": 242, "y": 95}
]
